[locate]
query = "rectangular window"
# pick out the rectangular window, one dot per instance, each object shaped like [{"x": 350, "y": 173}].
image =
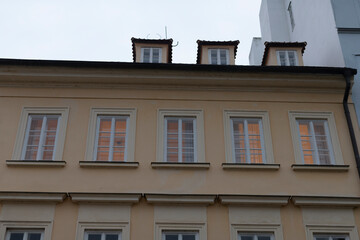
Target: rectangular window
[
  {"x": 40, "y": 137},
  {"x": 248, "y": 140},
  {"x": 256, "y": 236},
  {"x": 291, "y": 15},
  {"x": 151, "y": 55},
  {"x": 315, "y": 142},
  {"x": 170, "y": 235},
  {"x": 330, "y": 237},
  {"x": 111, "y": 138},
  {"x": 180, "y": 139},
  {"x": 99, "y": 235},
  {"x": 287, "y": 58},
  {"x": 219, "y": 56},
  {"x": 25, "y": 235}
]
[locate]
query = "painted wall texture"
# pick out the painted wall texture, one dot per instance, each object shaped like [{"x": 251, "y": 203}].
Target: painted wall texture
[{"x": 215, "y": 199}]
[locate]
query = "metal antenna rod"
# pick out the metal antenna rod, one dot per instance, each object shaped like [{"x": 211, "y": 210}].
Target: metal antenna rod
[{"x": 165, "y": 32}]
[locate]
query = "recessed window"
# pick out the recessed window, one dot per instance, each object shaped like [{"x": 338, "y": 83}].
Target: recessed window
[
  {"x": 151, "y": 55},
  {"x": 180, "y": 138},
  {"x": 315, "y": 142},
  {"x": 248, "y": 140},
  {"x": 111, "y": 138},
  {"x": 287, "y": 58},
  {"x": 330, "y": 237},
  {"x": 99, "y": 235},
  {"x": 291, "y": 15},
  {"x": 25, "y": 235},
  {"x": 219, "y": 56},
  {"x": 170, "y": 235},
  {"x": 256, "y": 236}
]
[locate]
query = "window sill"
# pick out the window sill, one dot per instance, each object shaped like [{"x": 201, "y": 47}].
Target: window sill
[
  {"x": 40, "y": 163},
  {"x": 195, "y": 165},
  {"x": 102, "y": 164},
  {"x": 313, "y": 167},
  {"x": 247, "y": 166}
]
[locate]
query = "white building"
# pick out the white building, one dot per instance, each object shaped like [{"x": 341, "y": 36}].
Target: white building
[{"x": 331, "y": 29}]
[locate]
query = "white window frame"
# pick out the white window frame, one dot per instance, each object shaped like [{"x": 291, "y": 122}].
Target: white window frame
[
  {"x": 43, "y": 226},
  {"x": 329, "y": 117},
  {"x": 117, "y": 227},
  {"x": 91, "y": 145},
  {"x": 330, "y": 236},
  {"x": 218, "y": 61},
  {"x": 199, "y": 146},
  {"x": 256, "y": 235},
  {"x": 21, "y": 137},
  {"x": 264, "y": 128},
  {"x": 102, "y": 232},
  {"x": 180, "y": 233},
  {"x": 198, "y": 228},
  {"x": 151, "y": 54},
  {"x": 274, "y": 229},
  {"x": 25, "y": 231},
  {"x": 349, "y": 231},
  {"x": 287, "y": 61}
]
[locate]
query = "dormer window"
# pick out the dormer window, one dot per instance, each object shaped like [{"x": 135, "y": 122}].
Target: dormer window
[
  {"x": 151, "y": 55},
  {"x": 287, "y": 58},
  {"x": 219, "y": 56}
]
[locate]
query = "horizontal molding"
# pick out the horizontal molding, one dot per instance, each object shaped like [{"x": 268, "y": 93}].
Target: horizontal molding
[
  {"x": 314, "y": 167},
  {"x": 254, "y": 200},
  {"x": 105, "y": 197},
  {"x": 180, "y": 199},
  {"x": 348, "y": 30},
  {"x": 326, "y": 201},
  {"x": 40, "y": 163},
  {"x": 247, "y": 166},
  {"x": 102, "y": 164},
  {"x": 196, "y": 165},
  {"x": 32, "y": 197}
]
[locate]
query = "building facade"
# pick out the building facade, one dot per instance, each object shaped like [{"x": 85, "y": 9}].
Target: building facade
[{"x": 110, "y": 151}]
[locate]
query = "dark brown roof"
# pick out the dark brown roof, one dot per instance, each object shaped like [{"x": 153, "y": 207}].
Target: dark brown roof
[
  {"x": 216, "y": 43},
  {"x": 152, "y": 41},
  {"x": 268, "y": 45}
]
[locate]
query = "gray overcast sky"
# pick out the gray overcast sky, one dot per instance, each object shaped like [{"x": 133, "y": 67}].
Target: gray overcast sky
[{"x": 98, "y": 30}]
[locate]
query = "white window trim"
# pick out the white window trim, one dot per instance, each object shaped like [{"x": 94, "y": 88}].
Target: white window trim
[
  {"x": 180, "y": 227},
  {"x": 218, "y": 62},
  {"x": 181, "y": 232},
  {"x": 26, "y": 233},
  {"x": 294, "y": 115},
  {"x": 287, "y": 57},
  {"x": 264, "y": 116},
  {"x": 131, "y": 131},
  {"x": 199, "y": 138},
  {"x": 122, "y": 227},
  {"x": 274, "y": 229},
  {"x": 46, "y": 227},
  {"x": 312, "y": 230},
  {"x": 61, "y": 131},
  {"x": 102, "y": 232},
  {"x": 151, "y": 54},
  {"x": 256, "y": 235}
]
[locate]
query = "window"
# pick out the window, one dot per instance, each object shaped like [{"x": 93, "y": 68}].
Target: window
[
  {"x": 291, "y": 15},
  {"x": 219, "y": 56},
  {"x": 256, "y": 236},
  {"x": 330, "y": 237},
  {"x": 170, "y": 235},
  {"x": 247, "y": 137},
  {"x": 41, "y": 134},
  {"x": 247, "y": 140},
  {"x": 99, "y": 235},
  {"x": 111, "y": 135},
  {"x": 111, "y": 138},
  {"x": 180, "y": 136},
  {"x": 315, "y": 138},
  {"x": 180, "y": 139},
  {"x": 287, "y": 58},
  {"x": 315, "y": 141},
  {"x": 151, "y": 55},
  {"x": 25, "y": 235}
]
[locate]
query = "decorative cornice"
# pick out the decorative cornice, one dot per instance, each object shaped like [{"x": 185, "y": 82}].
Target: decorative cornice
[
  {"x": 326, "y": 201},
  {"x": 254, "y": 200},
  {"x": 196, "y": 165},
  {"x": 41, "y": 163},
  {"x": 104, "y": 164},
  {"x": 32, "y": 197},
  {"x": 105, "y": 197},
  {"x": 313, "y": 167},
  {"x": 247, "y": 166},
  {"x": 180, "y": 199}
]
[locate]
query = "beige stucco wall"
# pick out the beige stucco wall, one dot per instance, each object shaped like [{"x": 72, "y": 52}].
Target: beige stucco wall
[
  {"x": 272, "y": 60},
  {"x": 164, "y": 50},
  {"x": 204, "y": 58}
]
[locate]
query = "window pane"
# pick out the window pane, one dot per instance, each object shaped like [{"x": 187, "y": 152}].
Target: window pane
[
  {"x": 171, "y": 236},
  {"x": 213, "y": 56},
  {"x": 16, "y": 236},
  {"x": 156, "y": 55},
  {"x": 146, "y": 56},
  {"x": 292, "y": 58},
  {"x": 246, "y": 237},
  {"x": 188, "y": 237},
  {"x": 34, "y": 236},
  {"x": 282, "y": 57},
  {"x": 223, "y": 58},
  {"x": 94, "y": 236},
  {"x": 264, "y": 238},
  {"x": 112, "y": 237},
  {"x": 188, "y": 140}
]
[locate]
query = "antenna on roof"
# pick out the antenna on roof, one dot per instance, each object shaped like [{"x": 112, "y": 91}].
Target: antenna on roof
[{"x": 177, "y": 42}]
